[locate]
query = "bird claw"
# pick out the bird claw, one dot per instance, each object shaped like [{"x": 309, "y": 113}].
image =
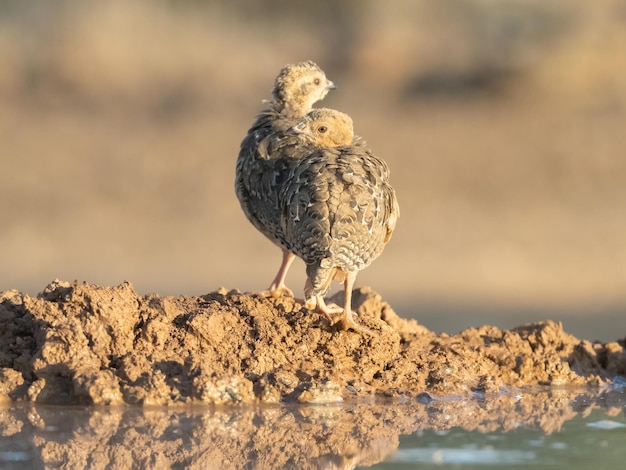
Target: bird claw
[
  {"x": 337, "y": 315},
  {"x": 348, "y": 323},
  {"x": 344, "y": 320},
  {"x": 328, "y": 310},
  {"x": 332, "y": 309},
  {"x": 277, "y": 292}
]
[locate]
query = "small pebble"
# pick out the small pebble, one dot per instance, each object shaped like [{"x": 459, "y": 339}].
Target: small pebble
[{"x": 424, "y": 397}]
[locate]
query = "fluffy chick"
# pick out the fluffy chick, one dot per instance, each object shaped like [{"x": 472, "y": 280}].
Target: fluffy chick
[
  {"x": 338, "y": 211},
  {"x": 269, "y": 149}
]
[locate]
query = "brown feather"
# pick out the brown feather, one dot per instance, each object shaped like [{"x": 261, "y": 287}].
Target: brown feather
[{"x": 338, "y": 211}]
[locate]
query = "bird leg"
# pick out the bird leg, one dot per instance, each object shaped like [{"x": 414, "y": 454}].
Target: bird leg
[
  {"x": 278, "y": 288},
  {"x": 315, "y": 295},
  {"x": 326, "y": 310},
  {"x": 347, "y": 318}
]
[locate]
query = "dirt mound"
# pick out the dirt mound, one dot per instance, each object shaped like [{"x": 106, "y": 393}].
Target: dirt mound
[{"x": 81, "y": 343}]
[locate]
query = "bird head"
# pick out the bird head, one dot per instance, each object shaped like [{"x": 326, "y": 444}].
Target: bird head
[
  {"x": 326, "y": 128},
  {"x": 299, "y": 86}
]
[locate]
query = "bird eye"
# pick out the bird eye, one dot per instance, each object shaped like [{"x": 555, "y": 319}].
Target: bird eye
[
  {"x": 316, "y": 81},
  {"x": 322, "y": 129}
]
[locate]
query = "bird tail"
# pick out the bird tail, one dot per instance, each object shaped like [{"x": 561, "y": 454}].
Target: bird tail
[{"x": 318, "y": 279}]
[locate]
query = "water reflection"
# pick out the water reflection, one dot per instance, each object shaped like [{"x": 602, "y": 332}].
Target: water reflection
[
  {"x": 515, "y": 428},
  {"x": 587, "y": 441},
  {"x": 464, "y": 456}
]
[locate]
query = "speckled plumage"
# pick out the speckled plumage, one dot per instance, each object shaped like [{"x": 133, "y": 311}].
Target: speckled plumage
[
  {"x": 269, "y": 150},
  {"x": 338, "y": 212}
]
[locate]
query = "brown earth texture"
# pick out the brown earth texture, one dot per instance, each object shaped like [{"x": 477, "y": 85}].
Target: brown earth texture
[{"x": 77, "y": 343}]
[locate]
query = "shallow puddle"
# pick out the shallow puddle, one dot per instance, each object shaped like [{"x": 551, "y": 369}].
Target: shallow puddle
[
  {"x": 538, "y": 428},
  {"x": 585, "y": 442}
]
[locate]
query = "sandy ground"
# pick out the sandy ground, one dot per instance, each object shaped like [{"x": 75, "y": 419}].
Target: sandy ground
[{"x": 85, "y": 344}]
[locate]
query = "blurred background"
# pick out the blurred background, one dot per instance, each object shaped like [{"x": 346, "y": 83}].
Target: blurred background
[{"x": 503, "y": 122}]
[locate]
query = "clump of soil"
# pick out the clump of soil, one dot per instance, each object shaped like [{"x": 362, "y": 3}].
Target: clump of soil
[{"x": 81, "y": 343}]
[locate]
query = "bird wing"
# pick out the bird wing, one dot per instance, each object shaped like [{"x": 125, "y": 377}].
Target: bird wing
[
  {"x": 338, "y": 207},
  {"x": 266, "y": 157}
]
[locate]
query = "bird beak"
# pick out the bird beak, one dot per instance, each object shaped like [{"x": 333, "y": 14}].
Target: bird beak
[
  {"x": 299, "y": 128},
  {"x": 330, "y": 85}
]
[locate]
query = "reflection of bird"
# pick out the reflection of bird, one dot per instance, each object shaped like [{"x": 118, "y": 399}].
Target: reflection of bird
[
  {"x": 338, "y": 211},
  {"x": 269, "y": 149}
]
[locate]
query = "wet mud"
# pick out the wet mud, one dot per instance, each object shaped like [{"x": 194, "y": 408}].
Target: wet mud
[{"x": 77, "y": 343}]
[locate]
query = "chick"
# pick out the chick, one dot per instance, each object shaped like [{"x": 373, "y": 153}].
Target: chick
[
  {"x": 338, "y": 211},
  {"x": 269, "y": 150}
]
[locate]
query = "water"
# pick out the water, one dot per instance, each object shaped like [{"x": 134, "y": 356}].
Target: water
[
  {"x": 583, "y": 443},
  {"x": 540, "y": 428}
]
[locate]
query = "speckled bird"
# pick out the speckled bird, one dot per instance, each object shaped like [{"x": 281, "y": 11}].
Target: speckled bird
[
  {"x": 269, "y": 150},
  {"x": 338, "y": 212}
]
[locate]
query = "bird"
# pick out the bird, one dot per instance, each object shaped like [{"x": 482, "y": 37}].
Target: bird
[
  {"x": 339, "y": 211},
  {"x": 270, "y": 148}
]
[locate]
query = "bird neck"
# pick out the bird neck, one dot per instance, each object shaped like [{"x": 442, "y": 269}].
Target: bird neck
[{"x": 290, "y": 109}]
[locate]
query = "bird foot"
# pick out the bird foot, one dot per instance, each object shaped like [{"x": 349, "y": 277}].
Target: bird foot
[
  {"x": 276, "y": 292},
  {"x": 346, "y": 322},
  {"x": 328, "y": 310},
  {"x": 344, "y": 319},
  {"x": 337, "y": 315},
  {"x": 317, "y": 303},
  {"x": 331, "y": 309}
]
